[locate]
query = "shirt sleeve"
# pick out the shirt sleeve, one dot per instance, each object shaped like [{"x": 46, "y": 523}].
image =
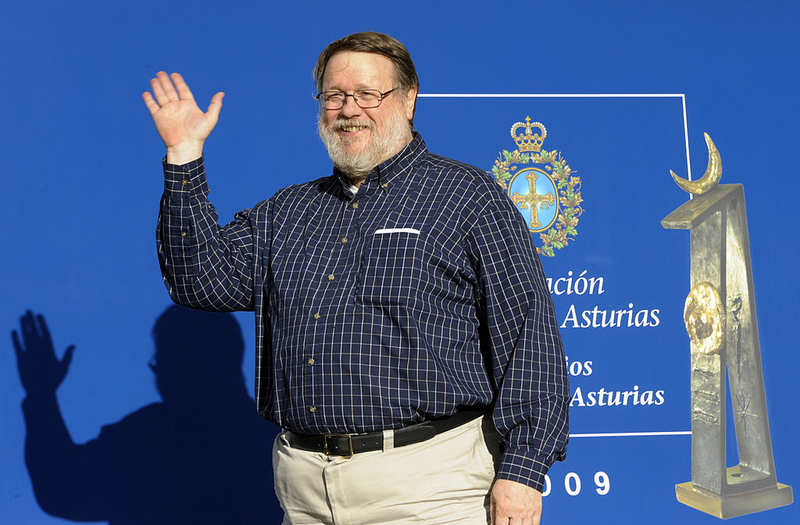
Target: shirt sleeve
[
  {"x": 521, "y": 341},
  {"x": 204, "y": 265}
]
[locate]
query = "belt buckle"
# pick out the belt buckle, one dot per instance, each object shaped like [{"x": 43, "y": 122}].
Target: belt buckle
[{"x": 349, "y": 443}]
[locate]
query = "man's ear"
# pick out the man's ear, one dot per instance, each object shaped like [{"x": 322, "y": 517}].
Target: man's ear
[{"x": 411, "y": 103}]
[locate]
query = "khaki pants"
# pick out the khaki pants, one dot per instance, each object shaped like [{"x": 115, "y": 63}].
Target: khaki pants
[{"x": 443, "y": 480}]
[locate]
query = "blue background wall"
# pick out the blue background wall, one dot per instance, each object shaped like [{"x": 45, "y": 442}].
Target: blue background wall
[{"x": 82, "y": 180}]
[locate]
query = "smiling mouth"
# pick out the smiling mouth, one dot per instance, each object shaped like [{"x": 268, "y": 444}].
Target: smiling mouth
[
  {"x": 351, "y": 126},
  {"x": 352, "y": 129}
]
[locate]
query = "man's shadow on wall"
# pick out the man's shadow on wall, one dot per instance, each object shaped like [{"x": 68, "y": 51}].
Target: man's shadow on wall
[{"x": 201, "y": 455}]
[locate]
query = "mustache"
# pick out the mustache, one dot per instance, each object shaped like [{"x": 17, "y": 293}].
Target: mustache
[{"x": 346, "y": 123}]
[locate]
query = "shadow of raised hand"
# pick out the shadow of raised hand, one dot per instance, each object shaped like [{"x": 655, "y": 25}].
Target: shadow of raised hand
[
  {"x": 40, "y": 370},
  {"x": 200, "y": 455}
]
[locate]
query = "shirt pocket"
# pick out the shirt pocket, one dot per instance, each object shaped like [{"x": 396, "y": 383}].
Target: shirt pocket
[{"x": 390, "y": 267}]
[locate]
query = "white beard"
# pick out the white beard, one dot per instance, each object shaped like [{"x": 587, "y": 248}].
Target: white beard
[{"x": 382, "y": 145}]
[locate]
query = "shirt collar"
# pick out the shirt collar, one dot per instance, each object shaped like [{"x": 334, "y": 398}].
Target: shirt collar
[{"x": 392, "y": 170}]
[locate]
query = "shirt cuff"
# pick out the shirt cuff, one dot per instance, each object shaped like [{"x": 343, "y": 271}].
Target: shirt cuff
[
  {"x": 527, "y": 467},
  {"x": 185, "y": 178}
]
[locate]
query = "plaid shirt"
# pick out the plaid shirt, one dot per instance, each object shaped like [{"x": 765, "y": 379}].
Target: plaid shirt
[{"x": 417, "y": 295}]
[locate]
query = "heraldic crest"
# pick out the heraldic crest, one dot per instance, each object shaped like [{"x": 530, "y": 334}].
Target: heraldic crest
[{"x": 546, "y": 192}]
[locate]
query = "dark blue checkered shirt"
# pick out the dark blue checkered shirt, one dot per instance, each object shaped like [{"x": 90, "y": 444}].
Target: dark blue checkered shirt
[{"x": 417, "y": 295}]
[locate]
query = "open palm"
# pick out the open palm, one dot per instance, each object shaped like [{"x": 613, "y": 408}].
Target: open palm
[
  {"x": 182, "y": 125},
  {"x": 40, "y": 370}
]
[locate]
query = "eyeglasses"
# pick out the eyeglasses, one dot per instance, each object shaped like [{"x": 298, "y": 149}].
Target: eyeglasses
[{"x": 365, "y": 98}]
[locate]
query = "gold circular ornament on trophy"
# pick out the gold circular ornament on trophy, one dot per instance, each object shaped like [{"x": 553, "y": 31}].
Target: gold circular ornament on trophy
[{"x": 704, "y": 316}]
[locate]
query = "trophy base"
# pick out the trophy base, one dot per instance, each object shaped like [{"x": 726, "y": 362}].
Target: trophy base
[{"x": 732, "y": 506}]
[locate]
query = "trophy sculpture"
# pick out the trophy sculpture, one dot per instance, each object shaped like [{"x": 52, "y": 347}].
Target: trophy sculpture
[{"x": 720, "y": 318}]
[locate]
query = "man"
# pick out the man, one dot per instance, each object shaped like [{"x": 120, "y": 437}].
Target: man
[{"x": 397, "y": 301}]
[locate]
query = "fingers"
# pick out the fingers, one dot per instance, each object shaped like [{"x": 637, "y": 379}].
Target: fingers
[
  {"x": 173, "y": 88},
  {"x": 44, "y": 330},
  {"x": 27, "y": 329},
  {"x": 501, "y": 518},
  {"x": 36, "y": 338},
  {"x": 168, "y": 88},
  {"x": 151, "y": 104},
  {"x": 513, "y": 503},
  {"x": 28, "y": 326},
  {"x": 183, "y": 89},
  {"x": 163, "y": 90}
]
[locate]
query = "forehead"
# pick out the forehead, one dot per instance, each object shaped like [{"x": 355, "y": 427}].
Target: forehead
[{"x": 356, "y": 70}]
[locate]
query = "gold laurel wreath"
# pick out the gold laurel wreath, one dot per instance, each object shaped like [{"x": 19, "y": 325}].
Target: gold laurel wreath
[{"x": 569, "y": 193}]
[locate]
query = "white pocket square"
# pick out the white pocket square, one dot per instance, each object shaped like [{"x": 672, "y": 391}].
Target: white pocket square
[{"x": 397, "y": 230}]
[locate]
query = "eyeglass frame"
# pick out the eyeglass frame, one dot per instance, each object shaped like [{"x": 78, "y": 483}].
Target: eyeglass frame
[{"x": 355, "y": 98}]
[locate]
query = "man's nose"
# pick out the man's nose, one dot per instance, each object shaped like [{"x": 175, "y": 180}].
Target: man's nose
[{"x": 350, "y": 108}]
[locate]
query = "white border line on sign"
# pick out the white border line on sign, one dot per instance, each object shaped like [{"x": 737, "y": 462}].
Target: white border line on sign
[
  {"x": 682, "y": 96},
  {"x": 632, "y": 434}
]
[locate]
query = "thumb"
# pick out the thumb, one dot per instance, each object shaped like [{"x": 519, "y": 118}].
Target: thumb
[
  {"x": 215, "y": 106},
  {"x": 67, "y": 359}
]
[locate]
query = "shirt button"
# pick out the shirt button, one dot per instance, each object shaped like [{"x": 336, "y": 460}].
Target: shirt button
[
  {"x": 331, "y": 277},
  {"x": 184, "y": 182},
  {"x": 312, "y": 409},
  {"x": 344, "y": 240},
  {"x": 317, "y": 316},
  {"x": 355, "y": 205},
  {"x": 183, "y": 234},
  {"x": 311, "y": 361}
]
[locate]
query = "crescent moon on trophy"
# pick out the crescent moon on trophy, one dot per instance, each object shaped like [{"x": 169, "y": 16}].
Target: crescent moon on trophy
[{"x": 710, "y": 178}]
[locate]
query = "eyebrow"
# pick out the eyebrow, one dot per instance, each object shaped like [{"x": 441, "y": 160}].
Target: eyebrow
[{"x": 359, "y": 87}]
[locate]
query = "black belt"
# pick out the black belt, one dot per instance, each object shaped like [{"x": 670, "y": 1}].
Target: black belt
[{"x": 345, "y": 445}]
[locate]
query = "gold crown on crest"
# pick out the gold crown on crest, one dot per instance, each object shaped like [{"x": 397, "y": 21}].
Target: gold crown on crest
[{"x": 528, "y": 140}]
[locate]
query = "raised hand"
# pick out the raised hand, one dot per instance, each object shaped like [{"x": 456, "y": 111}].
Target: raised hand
[
  {"x": 180, "y": 122},
  {"x": 40, "y": 370}
]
